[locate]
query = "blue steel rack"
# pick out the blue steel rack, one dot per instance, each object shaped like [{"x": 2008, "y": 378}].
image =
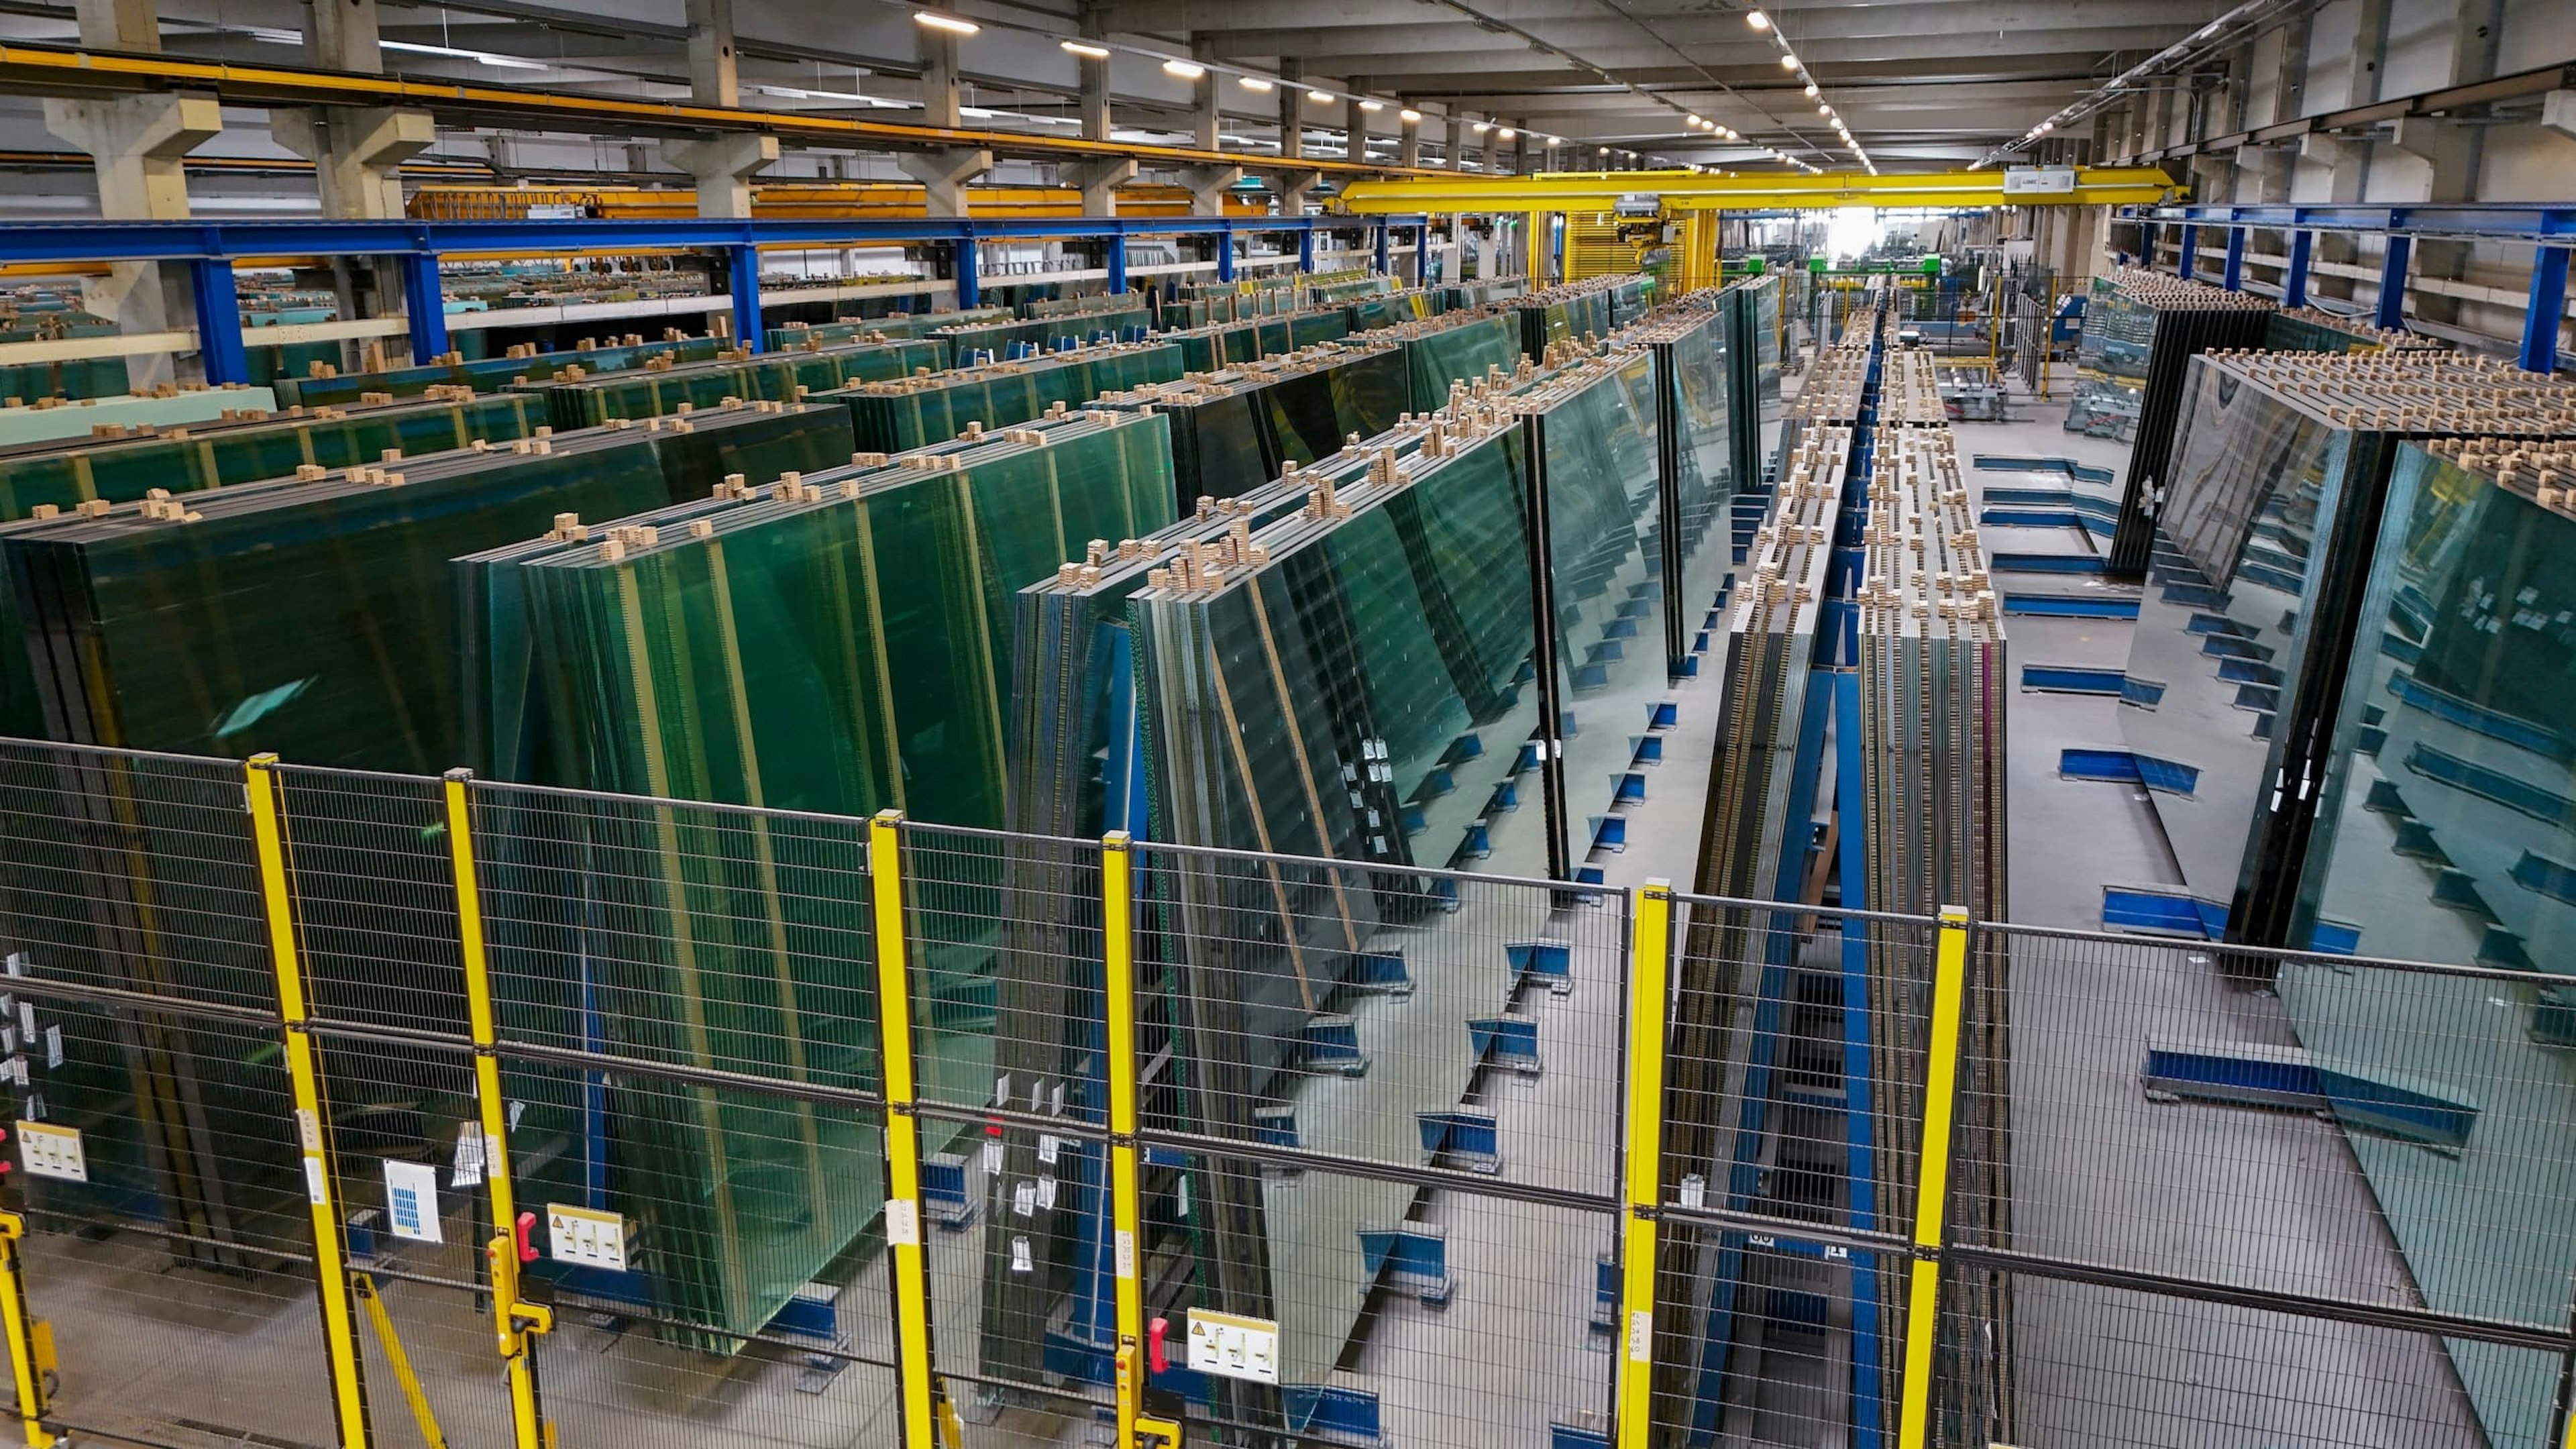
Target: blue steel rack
[
  {"x": 2549, "y": 227},
  {"x": 211, "y": 249}
]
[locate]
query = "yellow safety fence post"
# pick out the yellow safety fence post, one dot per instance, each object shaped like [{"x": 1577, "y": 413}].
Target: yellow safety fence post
[
  {"x": 921, "y": 1400},
  {"x": 31, "y": 1340},
  {"x": 1650, "y": 954},
  {"x": 515, "y": 1323},
  {"x": 1126, "y": 1204},
  {"x": 1537, "y": 241},
  {"x": 1932, "y": 1195},
  {"x": 312, "y": 1119}
]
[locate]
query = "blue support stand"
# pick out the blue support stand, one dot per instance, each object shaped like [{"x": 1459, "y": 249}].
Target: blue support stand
[
  {"x": 2392, "y": 281},
  {"x": 2547, "y": 312},
  {"x": 2188, "y": 260},
  {"x": 1868, "y": 1348},
  {"x": 219, "y": 332},
  {"x": 424, "y": 305},
  {"x": 1306, "y": 251},
  {"x": 742, "y": 283},
  {"x": 2232, "y": 273},
  {"x": 1385, "y": 249},
  {"x": 1118, "y": 263},
  {"x": 2294, "y": 282},
  {"x": 1225, "y": 256},
  {"x": 965, "y": 258}
]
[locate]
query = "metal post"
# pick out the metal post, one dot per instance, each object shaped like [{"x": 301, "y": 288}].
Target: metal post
[
  {"x": 1225, "y": 255},
  {"x": 219, "y": 329},
  {"x": 424, "y": 308},
  {"x": 902, "y": 1134},
  {"x": 1116, "y": 250},
  {"x": 313, "y": 1130},
  {"x": 1126, "y": 1207},
  {"x": 1385, "y": 249},
  {"x": 2189, "y": 260},
  {"x": 1306, "y": 248},
  {"x": 2548, "y": 310},
  {"x": 965, "y": 260},
  {"x": 30, "y": 1341},
  {"x": 2294, "y": 282},
  {"x": 1931, "y": 1197},
  {"x": 2232, "y": 272},
  {"x": 742, "y": 283},
  {"x": 515, "y": 1324},
  {"x": 2392, "y": 280},
  {"x": 1535, "y": 265},
  {"x": 1650, "y": 953}
]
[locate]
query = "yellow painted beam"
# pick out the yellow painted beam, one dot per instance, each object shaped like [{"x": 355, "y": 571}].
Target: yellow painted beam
[
  {"x": 1649, "y": 964},
  {"x": 902, "y": 1136},
  {"x": 1700, "y": 190}
]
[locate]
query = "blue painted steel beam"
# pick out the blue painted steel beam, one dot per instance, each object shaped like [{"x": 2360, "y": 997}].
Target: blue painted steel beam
[
  {"x": 2392, "y": 281},
  {"x": 2232, "y": 272},
  {"x": 2070, "y": 606},
  {"x": 742, "y": 284},
  {"x": 2187, "y": 263},
  {"x": 2469, "y": 222},
  {"x": 423, "y": 304},
  {"x": 2294, "y": 282},
  {"x": 219, "y": 333},
  {"x": 119, "y": 241},
  {"x": 1225, "y": 258},
  {"x": 1850, "y": 779},
  {"x": 1306, "y": 250},
  {"x": 1117, "y": 264},
  {"x": 2546, "y": 312},
  {"x": 965, "y": 262},
  {"x": 1385, "y": 248}
]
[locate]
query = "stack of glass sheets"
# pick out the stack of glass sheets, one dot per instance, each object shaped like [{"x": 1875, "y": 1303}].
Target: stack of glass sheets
[
  {"x": 1442, "y": 352},
  {"x": 783, "y": 377},
  {"x": 1459, "y": 296},
  {"x": 934, "y": 407},
  {"x": 2265, "y": 545},
  {"x": 489, "y": 374},
  {"x": 2141, "y": 330},
  {"x": 1695, "y": 441},
  {"x": 1631, "y": 297},
  {"x": 839, "y": 646},
  {"x": 980, "y": 340},
  {"x": 1235, "y": 430},
  {"x": 2309, "y": 329},
  {"x": 894, "y": 326},
  {"x": 1599, "y": 522},
  {"x": 1762, "y": 434},
  {"x": 2444, "y": 835},
  {"x": 1389, "y": 308},
  {"x": 210, "y": 455},
  {"x": 1567, "y": 312},
  {"x": 191, "y": 624},
  {"x": 1086, "y": 305},
  {"x": 1333, "y": 288}
]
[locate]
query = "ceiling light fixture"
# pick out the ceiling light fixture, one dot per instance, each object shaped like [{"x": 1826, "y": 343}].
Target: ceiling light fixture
[
  {"x": 1408, "y": 115},
  {"x": 1481, "y": 127},
  {"x": 1694, "y": 120},
  {"x": 949, "y": 23},
  {"x": 1185, "y": 69},
  {"x": 1811, "y": 90},
  {"x": 1372, "y": 105},
  {"x": 1320, "y": 97},
  {"x": 1252, "y": 83},
  {"x": 1504, "y": 134},
  {"x": 1757, "y": 20},
  {"x": 1077, "y": 47},
  {"x": 1788, "y": 60}
]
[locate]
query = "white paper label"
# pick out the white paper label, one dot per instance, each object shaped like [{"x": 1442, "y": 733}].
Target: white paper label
[
  {"x": 1183, "y": 1194},
  {"x": 1020, "y": 1255},
  {"x": 1024, "y": 1199},
  {"x": 1234, "y": 1347},
  {"x": 18, "y": 1071},
  {"x": 1055, "y": 1107},
  {"x": 1047, "y": 1147},
  {"x": 1641, "y": 1335},
  {"x": 17, "y": 963},
  {"x": 51, "y": 1151},
  {"x": 411, "y": 1201},
  {"x": 27, "y": 1020},
  {"x": 903, "y": 1222},
  {"x": 1126, "y": 1254},
  {"x": 465, "y": 1169},
  {"x": 582, "y": 1235},
  {"x": 53, "y": 1046},
  {"x": 992, "y": 1155},
  {"x": 1002, "y": 1090},
  {"x": 317, "y": 1185},
  {"x": 1046, "y": 1193},
  {"x": 512, "y": 1120},
  {"x": 308, "y": 1130}
]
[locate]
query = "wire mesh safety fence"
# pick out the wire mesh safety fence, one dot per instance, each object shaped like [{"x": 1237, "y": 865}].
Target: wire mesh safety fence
[{"x": 1379, "y": 1124}]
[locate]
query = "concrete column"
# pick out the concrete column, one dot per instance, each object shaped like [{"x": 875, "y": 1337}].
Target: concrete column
[
  {"x": 1099, "y": 179},
  {"x": 1354, "y": 129},
  {"x": 2558, "y": 114},
  {"x": 1457, "y": 138},
  {"x": 723, "y": 167},
  {"x": 357, "y": 155},
  {"x": 1091, "y": 106},
  {"x": 119, "y": 24},
  {"x": 945, "y": 173},
  {"x": 714, "y": 79},
  {"x": 1292, "y": 112},
  {"x": 1292, "y": 187},
  {"x": 136, "y": 143},
  {"x": 938, "y": 76},
  {"x": 1408, "y": 138},
  {"x": 1207, "y": 117},
  {"x": 343, "y": 37},
  {"x": 1208, "y": 187},
  {"x": 1520, "y": 153}
]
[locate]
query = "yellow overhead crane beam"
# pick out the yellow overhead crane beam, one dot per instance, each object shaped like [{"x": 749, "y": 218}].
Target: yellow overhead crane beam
[{"x": 1709, "y": 191}]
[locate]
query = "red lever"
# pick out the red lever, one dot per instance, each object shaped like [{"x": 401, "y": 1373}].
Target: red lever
[
  {"x": 526, "y": 1225},
  {"x": 1154, "y": 1345}
]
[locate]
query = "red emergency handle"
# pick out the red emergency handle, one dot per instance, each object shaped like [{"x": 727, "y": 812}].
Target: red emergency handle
[
  {"x": 527, "y": 1224},
  {"x": 1154, "y": 1345}
]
